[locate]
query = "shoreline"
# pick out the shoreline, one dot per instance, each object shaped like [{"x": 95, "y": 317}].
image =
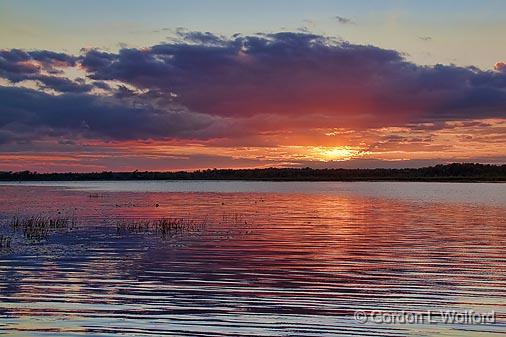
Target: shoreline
[
  {"x": 426, "y": 180},
  {"x": 455, "y": 172}
]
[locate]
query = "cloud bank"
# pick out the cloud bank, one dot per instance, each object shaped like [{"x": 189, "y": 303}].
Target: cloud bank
[{"x": 201, "y": 86}]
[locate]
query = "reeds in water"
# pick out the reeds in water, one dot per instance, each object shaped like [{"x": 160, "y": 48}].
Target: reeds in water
[
  {"x": 37, "y": 228},
  {"x": 5, "y": 242},
  {"x": 164, "y": 226}
]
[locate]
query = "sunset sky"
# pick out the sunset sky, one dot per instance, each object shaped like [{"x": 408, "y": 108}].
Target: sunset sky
[{"x": 169, "y": 85}]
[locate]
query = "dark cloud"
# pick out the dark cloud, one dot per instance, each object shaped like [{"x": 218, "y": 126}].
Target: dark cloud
[
  {"x": 303, "y": 74},
  {"x": 343, "y": 20},
  {"x": 17, "y": 65},
  {"x": 44, "y": 56},
  {"x": 17, "y": 61},
  {"x": 205, "y": 38},
  {"x": 52, "y": 58},
  {"x": 102, "y": 85},
  {"x": 94, "y": 59},
  {"x": 61, "y": 84},
  {"x": 27, "y": 114},
  {"x": 201, "y": 85}
]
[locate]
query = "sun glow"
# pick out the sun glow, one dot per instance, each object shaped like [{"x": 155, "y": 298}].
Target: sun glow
[{"x": 336, "y": 153}]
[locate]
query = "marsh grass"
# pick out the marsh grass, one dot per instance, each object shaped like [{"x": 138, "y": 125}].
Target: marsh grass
[
  {"x": 37, "y": 228},
  {"x": 165, "y": 227},
  {"x": 5, "y": 242},
  {"x": 226, "y": 227}
]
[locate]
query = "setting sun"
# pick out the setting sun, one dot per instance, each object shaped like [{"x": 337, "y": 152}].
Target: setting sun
[{"x": 336, "y": 153}]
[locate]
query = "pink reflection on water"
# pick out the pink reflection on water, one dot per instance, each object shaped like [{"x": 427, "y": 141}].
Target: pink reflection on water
[{"x": 264, "y": 254}]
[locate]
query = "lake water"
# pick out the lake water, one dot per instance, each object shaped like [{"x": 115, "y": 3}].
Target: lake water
[{"x": 259, "y": 259}]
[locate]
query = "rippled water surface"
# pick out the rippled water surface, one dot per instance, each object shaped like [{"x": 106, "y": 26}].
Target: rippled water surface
[{"x": 256, "y": 259}]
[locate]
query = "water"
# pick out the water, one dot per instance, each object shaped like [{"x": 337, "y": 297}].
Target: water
[{"x": 273, "y": 259}]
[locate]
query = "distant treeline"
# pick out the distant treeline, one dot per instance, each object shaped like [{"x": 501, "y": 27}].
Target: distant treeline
[{"x": 450, "y": 172}]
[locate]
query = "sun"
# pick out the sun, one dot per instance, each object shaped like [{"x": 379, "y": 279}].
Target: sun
[{"x": 325, "y": 153}]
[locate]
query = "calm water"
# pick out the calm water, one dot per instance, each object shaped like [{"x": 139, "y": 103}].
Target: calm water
[{"x": 273, "y": 259}]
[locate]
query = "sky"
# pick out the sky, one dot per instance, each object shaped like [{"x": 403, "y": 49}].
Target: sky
[{"x": 186, "y": 85}]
